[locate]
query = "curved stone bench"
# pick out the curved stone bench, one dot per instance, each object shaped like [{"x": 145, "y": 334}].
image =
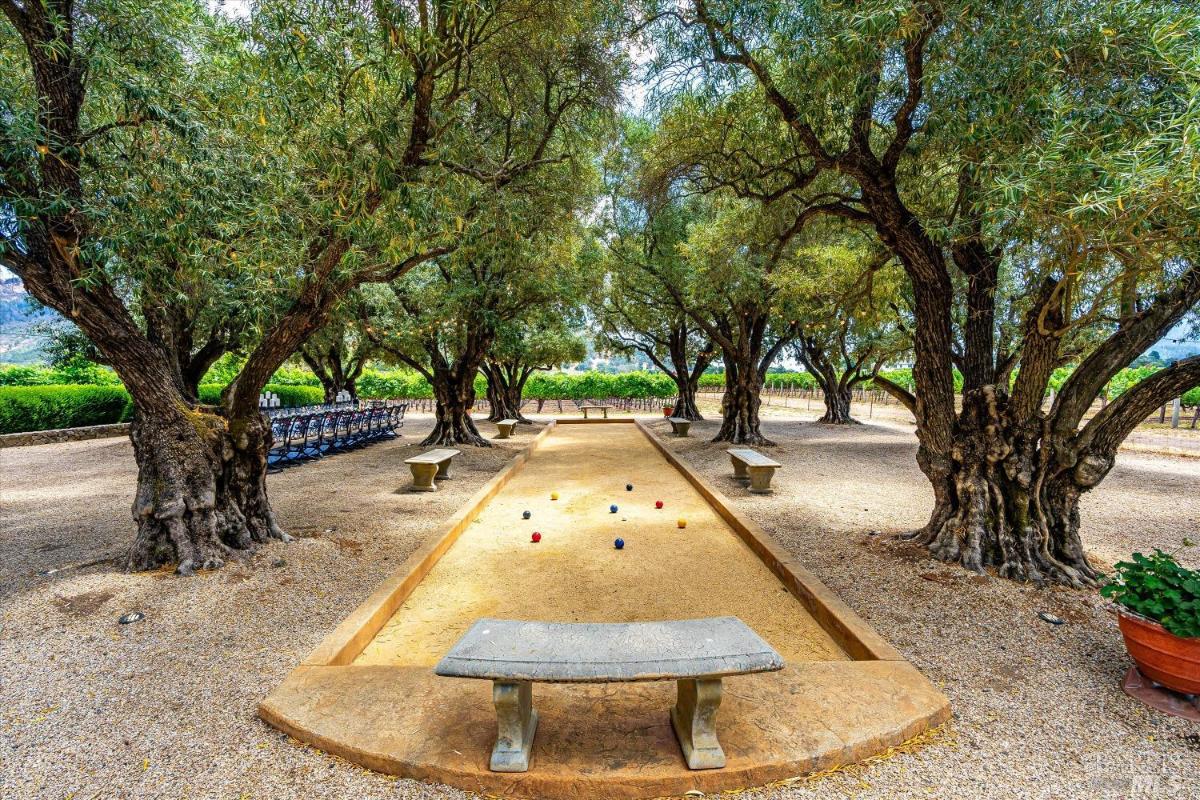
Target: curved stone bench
[{"x": 697, "y": 653}]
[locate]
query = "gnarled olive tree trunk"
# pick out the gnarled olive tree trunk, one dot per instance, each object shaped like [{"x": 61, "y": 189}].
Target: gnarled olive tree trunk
[
  {"x": 739, "y": 406},
  {"x": 837, "y": 406},
  {"x": 1007, "y": 491},
  {"x": 837, "y": 388},
  {"x": 1003, "y": 501},
  {"x": 201, "y": 495},
  {"x": 685, "y": 399},
  {"x": 747, "y": 357},
  {"x": 506, "y": 390},
  {"x": 685, "y": 375},
  {"x": 455, "y": 396}
]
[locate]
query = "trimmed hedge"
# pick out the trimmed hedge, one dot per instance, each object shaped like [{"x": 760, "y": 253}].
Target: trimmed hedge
[
  {"x": 289, "y": 396},
  {"x": 82, "y": 374},
  {"x": 39, "y": 408},
  {"x": 43, "y": 408}
]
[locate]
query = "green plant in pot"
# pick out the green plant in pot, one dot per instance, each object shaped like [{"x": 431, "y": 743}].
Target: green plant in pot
[{"x": 1159, "y": 617}]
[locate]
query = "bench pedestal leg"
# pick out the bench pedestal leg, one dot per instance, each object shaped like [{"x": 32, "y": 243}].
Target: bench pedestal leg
[
  {"x": 760, "y": 480},
  {"x": 423, "y": 477},
  {"x": 517, "y": 725},
  {"x": 694, "y": 718},
  {"x": 443, "y": 470},
  {"x": 503, "y": 431},
  {"x": 739, "y": 470}
]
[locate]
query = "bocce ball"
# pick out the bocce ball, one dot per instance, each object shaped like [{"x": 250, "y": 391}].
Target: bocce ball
[
  {"x": 525, "y": 515},
  {"x": 554, "y": 495},
  {"x": 658, "y": 503},
  {"x": 681, "y": 522},
  {"x": 629, "y": 487},
  {"x": 537, "y": 537},
  {"x": 619, "y": 544},
  {"x": 612, "y": 509}
]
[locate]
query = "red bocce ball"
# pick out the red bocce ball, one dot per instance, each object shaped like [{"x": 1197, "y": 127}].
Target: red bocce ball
[
  {"x": 537, "y": 537},
  {"x": 658, "y": 503}
]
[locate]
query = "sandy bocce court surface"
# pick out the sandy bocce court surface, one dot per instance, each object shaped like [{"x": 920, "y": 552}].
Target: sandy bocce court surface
[{"x": 575, "y": 574}]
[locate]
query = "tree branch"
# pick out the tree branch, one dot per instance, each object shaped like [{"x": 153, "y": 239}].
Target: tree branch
[
  {"x": 1115, "y": 353},
  {"x": 897, "y": 391},
  {"x": 1106, "y": 431}
]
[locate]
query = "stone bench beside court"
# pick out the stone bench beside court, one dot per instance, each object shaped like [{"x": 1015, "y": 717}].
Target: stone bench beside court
[
  {"x": 589, "y": 407},
  {"x": 696, "y": 653},
  {"x": 680, "y": 426},
  {"x": 428, "y": 467},
  {"x": 751, "y": 466},
  {"x": 504, "y": 428}
]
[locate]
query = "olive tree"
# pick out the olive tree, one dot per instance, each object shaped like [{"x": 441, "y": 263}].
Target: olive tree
[
  {"x": 964, "y": 132},
  {"x": 375, "y": 128}
]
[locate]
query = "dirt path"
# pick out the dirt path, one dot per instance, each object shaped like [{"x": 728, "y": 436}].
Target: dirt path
[{"x": 165, "y": 708}]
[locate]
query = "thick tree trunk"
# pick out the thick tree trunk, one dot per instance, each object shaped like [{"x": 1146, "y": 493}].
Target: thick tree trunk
[
  {"x": 455, "y": 399},
  {"x": 494, "y": 397},
  {"x": 505, "y": 393},
  {"x": 837, "y": 406},
  {"x": 739, "y": 407},
  {"x": 685, "y": 400},
  {"x": 201, "y": 496},
  {"x": 510, "y": 404},
  {"x": 1002, "y": 502}
]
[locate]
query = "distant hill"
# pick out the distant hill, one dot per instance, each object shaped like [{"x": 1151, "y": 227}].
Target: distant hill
[
  {"x": 19, "y": 342},
  {"x": 1175, "y": 350}
]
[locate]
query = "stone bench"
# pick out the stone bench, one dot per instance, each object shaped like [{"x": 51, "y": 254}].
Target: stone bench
[
  {"x": 586, "y": 408},
  {"x": 696, "y": 653},
  {"x": 679, "y": 426},
  {"x": 753, "y": 467},
  {"x": 427, "y": 467},
  {"x": 504, "y": 428}
]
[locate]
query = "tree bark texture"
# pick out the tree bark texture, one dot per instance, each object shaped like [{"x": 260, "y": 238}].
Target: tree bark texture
[
  {"x": 685, "y": 398},
  {"x": 202, "y": 494},
  {"x": 837, "y": 387},
  {"x": 740, "y": 405},
  {"x": 506, "y": 390},
  {"x": 455, "y": 396}
]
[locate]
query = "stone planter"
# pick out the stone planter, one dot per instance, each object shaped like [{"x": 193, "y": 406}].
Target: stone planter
[{"x": 1166, "y": 659}]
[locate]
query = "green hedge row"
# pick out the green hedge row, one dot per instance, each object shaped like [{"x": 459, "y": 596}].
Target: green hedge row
[
  {"x": 210, "y": 393},
  {"x": 85, "y": 374},
  {"x": 39, "y": 408}
]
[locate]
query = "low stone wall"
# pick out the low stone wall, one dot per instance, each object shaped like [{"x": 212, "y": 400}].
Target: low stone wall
[{"x": 64, "y": 435}]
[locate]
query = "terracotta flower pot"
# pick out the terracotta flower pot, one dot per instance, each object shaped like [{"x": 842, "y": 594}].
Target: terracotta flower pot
[
  {"x": 1163, "y": 657},
  {"x": 668, "y": 410}
]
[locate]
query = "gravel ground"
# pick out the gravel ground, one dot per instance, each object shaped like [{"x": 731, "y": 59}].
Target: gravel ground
[{"x": 165, "y": 707}]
